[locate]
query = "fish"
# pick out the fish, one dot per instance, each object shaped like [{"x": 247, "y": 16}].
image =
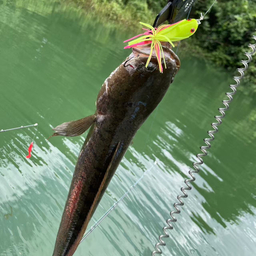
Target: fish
[{"x": 126, "y": 99}]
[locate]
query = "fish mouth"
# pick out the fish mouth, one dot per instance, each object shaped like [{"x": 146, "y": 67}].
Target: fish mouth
[{"x": 144, "y": 51}]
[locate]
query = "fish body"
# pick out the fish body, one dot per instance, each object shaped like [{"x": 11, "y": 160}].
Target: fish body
[{"x": 126, "y": 99}]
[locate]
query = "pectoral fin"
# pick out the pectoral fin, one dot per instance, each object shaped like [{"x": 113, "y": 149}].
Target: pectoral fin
[{"x": 74, "y": 128}]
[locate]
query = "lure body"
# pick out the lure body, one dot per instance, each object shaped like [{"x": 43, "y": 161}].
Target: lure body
[
  {"x": 165, "y": 33},
  {"x": 30, "y": 150}
]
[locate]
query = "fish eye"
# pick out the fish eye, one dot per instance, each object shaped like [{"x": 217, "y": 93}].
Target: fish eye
[{"x": 192, "y": 30}]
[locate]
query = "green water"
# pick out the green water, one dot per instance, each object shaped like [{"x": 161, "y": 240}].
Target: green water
[{"x": 53, "y": 62}]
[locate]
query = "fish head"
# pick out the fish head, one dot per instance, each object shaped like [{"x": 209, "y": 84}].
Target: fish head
[{"x": 133, "y": 83}]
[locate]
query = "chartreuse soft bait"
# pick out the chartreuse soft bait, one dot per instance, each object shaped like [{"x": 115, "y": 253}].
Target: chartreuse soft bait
[{"x": 165, "y": 33}]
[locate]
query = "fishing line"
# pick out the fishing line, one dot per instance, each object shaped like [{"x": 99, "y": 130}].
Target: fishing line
[
  {"x": 178, "y": 46},
  {"x": 205, "y": 149},
  {"x": 189, "y": 12},
  {"x": 105, "y": 215},
  {"x": 199, "y": 20},
  {"x": 18, "y": 128},
  {"x": 203, "y": 16},
  {"x": 23, "y": 127}
]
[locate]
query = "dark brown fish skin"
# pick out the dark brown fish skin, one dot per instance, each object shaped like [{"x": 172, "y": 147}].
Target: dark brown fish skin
[{"x": 124, "y": 102}]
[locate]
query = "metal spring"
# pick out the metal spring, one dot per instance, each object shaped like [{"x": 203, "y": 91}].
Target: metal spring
[{"x": 204, "y": 149}]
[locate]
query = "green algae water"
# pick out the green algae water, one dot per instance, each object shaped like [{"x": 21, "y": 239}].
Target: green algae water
[{"x": 53, "y": 62}]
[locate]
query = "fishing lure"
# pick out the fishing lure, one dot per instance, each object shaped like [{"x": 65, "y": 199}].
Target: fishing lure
[
  {"x": 165, "y": 33},
  {"x": 30, "y": 150},
  {"x": 23, "y": 127}
]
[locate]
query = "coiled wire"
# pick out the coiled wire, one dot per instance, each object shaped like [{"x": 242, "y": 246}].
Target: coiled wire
[{"x": 204, "y": 149}]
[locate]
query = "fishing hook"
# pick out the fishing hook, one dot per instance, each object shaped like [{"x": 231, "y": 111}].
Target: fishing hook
[
  {"x": 205, "y": 149},
  {"x": 126, "y": 65}
]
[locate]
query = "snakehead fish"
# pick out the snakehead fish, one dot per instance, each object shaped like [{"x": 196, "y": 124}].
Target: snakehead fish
[{"x": 126, "y": 99}]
